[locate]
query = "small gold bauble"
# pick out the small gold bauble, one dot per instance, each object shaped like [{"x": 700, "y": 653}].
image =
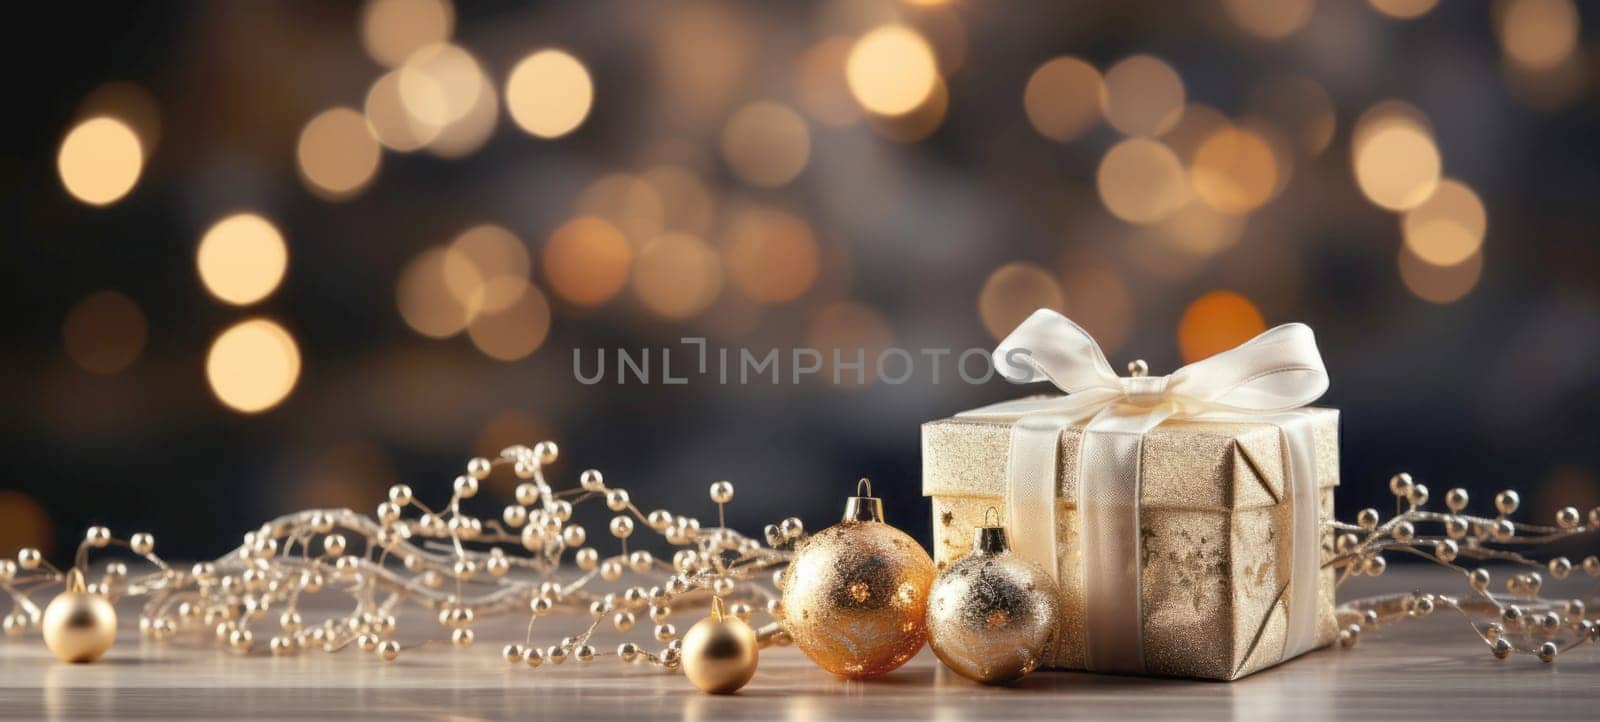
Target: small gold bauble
[
  {"x": 720, "y": 652},
  {"x": 855, "y": 595},
  {"x": 79, "y": 626},
  {"x": 991, "y": 614}
]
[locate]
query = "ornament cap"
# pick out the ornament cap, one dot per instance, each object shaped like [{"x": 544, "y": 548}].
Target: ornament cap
[
  {"x": 863, "y": 507},
  {"x": 990, "y": 539}
]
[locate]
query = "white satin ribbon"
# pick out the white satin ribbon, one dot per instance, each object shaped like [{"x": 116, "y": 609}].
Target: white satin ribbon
[{"x": 1263, "y": 380}]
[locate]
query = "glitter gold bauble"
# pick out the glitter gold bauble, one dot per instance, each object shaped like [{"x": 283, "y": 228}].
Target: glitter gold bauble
[
  {"x": 720, "y": 652},
  {"x": 79, "y": 626},
  {"x": 855, "y": 594},
  {"x": 991, "y": 614}
]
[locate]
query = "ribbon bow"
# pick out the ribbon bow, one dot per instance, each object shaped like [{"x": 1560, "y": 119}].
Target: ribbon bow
[{"x": 1264, "y": 380}]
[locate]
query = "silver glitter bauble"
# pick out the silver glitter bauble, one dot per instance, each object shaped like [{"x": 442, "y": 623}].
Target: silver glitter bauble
[{"x": 991, "y": 614}]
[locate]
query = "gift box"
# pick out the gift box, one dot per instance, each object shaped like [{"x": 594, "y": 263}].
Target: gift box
[{"x": 1182, "y": 516}]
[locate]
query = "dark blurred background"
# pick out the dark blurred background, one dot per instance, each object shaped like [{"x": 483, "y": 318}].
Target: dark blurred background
[{"x": 262, "y": 256}]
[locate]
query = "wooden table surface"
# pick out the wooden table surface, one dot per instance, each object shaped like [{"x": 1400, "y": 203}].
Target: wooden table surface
[{"x": 1431, "y": 669}]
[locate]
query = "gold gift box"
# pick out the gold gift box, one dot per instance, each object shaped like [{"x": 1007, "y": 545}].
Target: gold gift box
[{"x": 1214, "y": 516}]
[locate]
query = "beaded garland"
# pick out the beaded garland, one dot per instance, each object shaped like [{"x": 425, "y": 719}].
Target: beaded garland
[{"x": 456, "y": 565}]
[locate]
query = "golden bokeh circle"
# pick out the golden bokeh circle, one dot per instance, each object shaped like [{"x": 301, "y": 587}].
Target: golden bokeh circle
[
  {"x": 392, "y": 29},
  {"x": 771, "y": 256},
  {"x": 587, "y": 261},
  {"x": 502, "y": 266},
  {"x": 1538, "y": 34},
  {"x": 1216, "y": 322},
  {"x": 1012, "y": 292},
  {"x": 104, "y": 333},
  {"x": 1403, "y": 9},
  {"x": 424, "y": 293},
  {"x": 253, "y": 365},
  {"x": 549, "y": 93},
  {"x": 1234, "y": 171},
  {"x": 1270, "y": 19},
  {"x": 1063, "y": 98},
  {"x": 242, "y": 259},
  {"x": 391, "y": 124},
  {"x": 677, "y": 275},
  {"x": 1144, "y": 96},
  {"x": 337, "y": 154},
  {"x": 891, "y": 70},
  {"x": 514, "y": 331},
  {"x": 1397, "y": 165},
  {"x": 1448, "y": 227},
  {"x": 1439, "y": 284},
  {"x": 1141, "y": 181},
  {"x": 766, "y": 144},
  {"x": 100, "y": 160}
]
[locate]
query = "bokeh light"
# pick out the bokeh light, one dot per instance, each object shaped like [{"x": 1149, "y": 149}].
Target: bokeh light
[
  {"x": 686, "y": 204},
  {"x": 855, "y": 332},
  {"x": 1012, "y": 292},
  {"x": 1063, "y": 98},
  {"x": 393, "y": 29},
  {"x": 1099, "y": 300},
  {"x": 424, "y": 297},
  {"x": 131, "y": 104},
  {"x": 440, "y": 83},
  {"x": 104, "y": 333},
  {"x": 242, "y": 258},
  {"x": 770, "y": 255},
  {"x": 891, "y": 70},
  {"x": 1537, "y": 34},
  {"x": 918, "y": 124},
  {"x": 820, "y": 82},
  {"x": 390, "y": 122},
  {"x": 513, "y": 331},
  {"x": 1216, "y": 322},
  {"x": 253, "y": 365},
  {"x": 1144, "y": 96},
  {"x": 1141, "y": 181},
  {"x": 1397, "y": 165},
  {"x": 502, "y": 267},
  {"x": 1234, "y": 171},
  {"x": 337, "y": 154},
  {"x": 1439, "y": 284},
  {"x": 549, "y": 93},
  {"x": 472, "y": 130},
  {"x": 1270, "y": 19},
  {"x": 587, "y": 260},
  {"x": 1403, "y": 9},
  {"x": 24, "y": 524},
  {"x": 100, "y": 160},
  {"x": 1199, "y": 229},
  {"x": 1448, "y": 228},
  {"x": 1301, "y": 106},
  {"x": 631, "y": 203},
  {"x": 677, "y": 275},
  {"x": 766, "y": 144}
]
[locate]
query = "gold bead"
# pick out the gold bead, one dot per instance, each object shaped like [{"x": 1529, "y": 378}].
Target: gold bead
[
  {"x": 1567, "y": 517},
  {"x": 1594, "y": 516},
  {"x": 1367, "y": 519},
  {"x": 659, "y": 519},
  {"x": 617, "y": 499},
  {"x": 400, "y": 494},
  {"x": 333, "y": 544},
  {"x": 1423, "y": 606},
  {"x": 623, "y": 621},
  {"x": 719, "y": 654},
  {"x": 665, "y": 632},
  {"x": 561, "y": 509},
  {"x": 512, "y": 653},
  {"x": 533, "y": 656},
  {"x": 628, "y": 652},
  {"x": 241, "y": 640},
  {"x": 721, "y": 492},
  {"x": 1349, "y": 636},
  {"x": 611, "y": 570},
  {"x": 1494, "y": 631},
  {"x": 1446, "y": 550},
  {"x": 740, "y": 611},
  {"x": 514, "y": 516},
  {"x": 587, "y": 558},
  {"x": 641, "y": 561},
  {"x": 1547, "y": 652},
  {"x": 541, "y": 606},
  {"x": 479, "y": 468},
  {"x": 1560, "y": 567},
  {"x": 1418, "y": 495},
  {"x": 621, "y": 527},
  {"x": 1375, "y": 566},
  {"x": 1400, "y": 484},
  {"x": 1591, "y": 565},
  {"x": 1503, "y": 530},
  {"x": 555, "y": 654},
  {"x": 1404, "y": 531},
  {"x": 659, "y": 613},
  {"x": 281, "y": 646},
  {"x": 497, "y": 564},
  {"x": 1501, "y": 648},
  {"x": 546, "y": 451},
  {"x": 1478, "y": 579},
  {"x": 1347, "y": 543},
  {"x": 1512, "y": 614},
  {"x": 791, "y": 528},
  {"x": 8, "y": 570},
  {"x": 722, "y": 586},
  {"x": 1455, "y": 527},
  {"x": 591, "y": 480},
  {"x": 584, "y": 654},
  {"x": 526, "y": 494},
  {"x": 368, "y": 642},
  {"x": 1549, "y": 621},
  {"x": 1507, "y": 502},
  {"x": 1456, "y": 499},
  {"x": 98, "y": 536},
  {"x": 78, "y": 626},
  {"x": 142, "y": 543},
  {"x": 388, "y": 650},
  {"x": 462, "y": 637}
]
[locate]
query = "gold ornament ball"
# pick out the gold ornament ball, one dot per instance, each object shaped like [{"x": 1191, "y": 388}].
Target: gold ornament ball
[
  {"x": 991, "y": 614},
  {"x": 720, "y": 652},
  {"x": 79, "y": 626},
  {"x": 855, "y": 595}
]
